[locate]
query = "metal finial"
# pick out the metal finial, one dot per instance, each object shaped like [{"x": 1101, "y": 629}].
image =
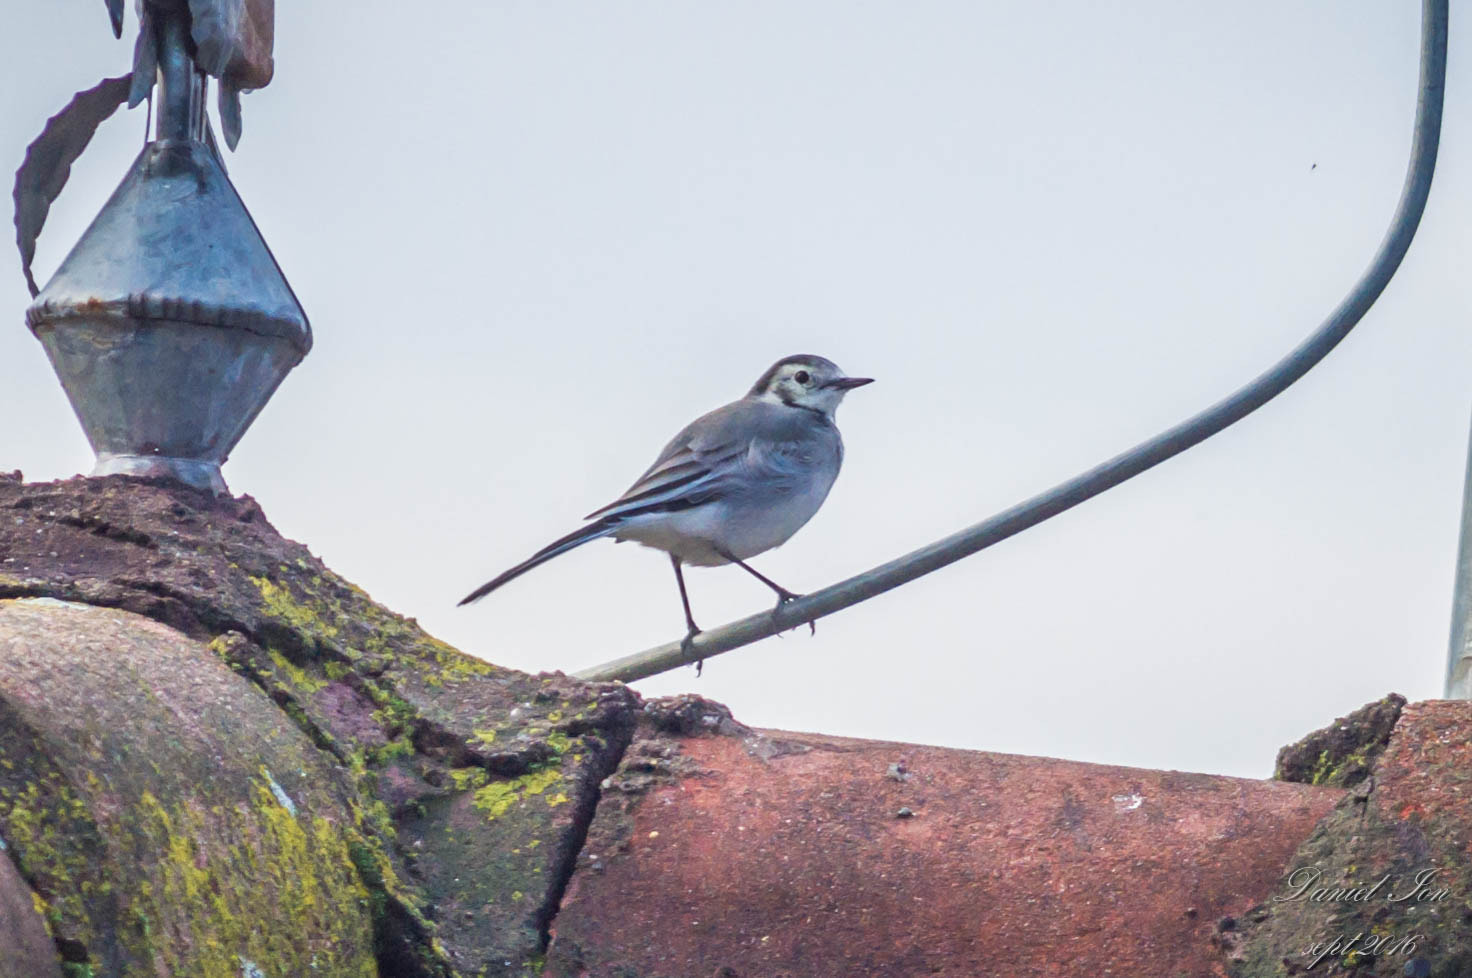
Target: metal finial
[{"x": 170, "y": 324}]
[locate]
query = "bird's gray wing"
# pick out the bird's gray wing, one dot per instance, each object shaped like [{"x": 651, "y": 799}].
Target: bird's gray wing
[
  {"x": 785, "y": 464},
  {"x": 693, "y": 466}
]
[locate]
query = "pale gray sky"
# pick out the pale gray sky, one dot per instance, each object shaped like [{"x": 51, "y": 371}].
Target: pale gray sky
[{"x": 535, "y": 239}]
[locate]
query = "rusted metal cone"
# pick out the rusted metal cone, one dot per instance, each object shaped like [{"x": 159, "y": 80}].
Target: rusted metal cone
[{"x": 170, "y": 324}]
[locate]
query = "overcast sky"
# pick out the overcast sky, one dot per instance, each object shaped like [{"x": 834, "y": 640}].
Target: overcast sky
[{"x": 536, "y": 239}]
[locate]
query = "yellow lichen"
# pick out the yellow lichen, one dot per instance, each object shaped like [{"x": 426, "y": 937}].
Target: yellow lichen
[
  {"x": 280, "y": 604},
  {"x": 42, "y": 910},
  {"x": 296, "y": 673},
  {"x": 456, "y": 666},
  {"x": 496, "y": 798},
  {"x": 466, "y": 778}
]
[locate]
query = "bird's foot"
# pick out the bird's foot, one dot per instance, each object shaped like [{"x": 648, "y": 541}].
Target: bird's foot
[
  {"x": 784, "y": 596},
  {"x": 687, "y": 648}
]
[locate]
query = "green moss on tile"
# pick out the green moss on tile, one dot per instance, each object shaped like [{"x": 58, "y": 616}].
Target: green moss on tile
[
  {"x": 299, "y": 911},
  {"x": 383, "y": 754}
]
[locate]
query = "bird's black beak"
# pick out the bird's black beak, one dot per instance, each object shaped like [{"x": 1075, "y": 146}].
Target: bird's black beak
[{"x": 848, "y": 383}]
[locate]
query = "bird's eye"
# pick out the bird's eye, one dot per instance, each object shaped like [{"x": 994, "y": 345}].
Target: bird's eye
[{"x": 802, "y": 377}]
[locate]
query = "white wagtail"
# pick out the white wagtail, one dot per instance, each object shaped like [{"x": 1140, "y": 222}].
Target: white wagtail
[{"x": 735, "y": 483}]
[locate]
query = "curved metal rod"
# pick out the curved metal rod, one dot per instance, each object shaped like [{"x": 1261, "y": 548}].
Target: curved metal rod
[{"x": 1138, "y": 459}]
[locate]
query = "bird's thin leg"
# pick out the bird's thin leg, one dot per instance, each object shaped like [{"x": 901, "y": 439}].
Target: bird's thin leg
[
  {"x": 694, "y": 629},
  {"x": 783, "y": 595}
]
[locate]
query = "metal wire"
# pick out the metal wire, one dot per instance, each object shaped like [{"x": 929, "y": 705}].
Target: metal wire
[{"x": 1138, "y": 459}]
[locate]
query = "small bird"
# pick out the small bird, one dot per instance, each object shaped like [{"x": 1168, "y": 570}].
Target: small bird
[{"x": 734, "y": 483}]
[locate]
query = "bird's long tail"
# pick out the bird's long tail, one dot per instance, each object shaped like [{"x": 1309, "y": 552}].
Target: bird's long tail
[{"x": 562, "y": 545}]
